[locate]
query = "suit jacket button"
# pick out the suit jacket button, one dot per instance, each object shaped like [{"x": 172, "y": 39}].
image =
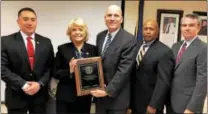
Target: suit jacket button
[{"x": 30, "y": 74}]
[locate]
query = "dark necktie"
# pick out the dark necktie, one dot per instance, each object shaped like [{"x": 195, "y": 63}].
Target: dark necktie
[
  {"x": 180, "y": 53},
  {"x": 30, "y": 52},
  {"x": 168, "y": 28},
  {"x": 106, "y": 44}
]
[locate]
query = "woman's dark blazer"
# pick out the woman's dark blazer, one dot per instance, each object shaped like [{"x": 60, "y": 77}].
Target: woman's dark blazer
[{"x": 66, "y": 89}]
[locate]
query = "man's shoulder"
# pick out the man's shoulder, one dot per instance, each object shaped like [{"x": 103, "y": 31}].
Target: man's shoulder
[
  {"x": 177, "y": 44},
  {"x": 41, "y": 37},
  {"x": 90, "y": 45},
  {"x": 162, "y": 46},
  {"x": 10, "y": 36},
  {"x": 65, "y": 45},
  {"x": 102, "y": 32},
  {"x": 128, "y": 34},
  {"x": 162, "y": 49},
  {"x": 201, "y": 45}
]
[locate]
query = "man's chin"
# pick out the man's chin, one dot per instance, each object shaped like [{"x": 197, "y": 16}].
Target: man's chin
[
  {"x": 148, "y": 39},
  {"x": 29, "y": 33},
  {"x": 112, "y": 29}
]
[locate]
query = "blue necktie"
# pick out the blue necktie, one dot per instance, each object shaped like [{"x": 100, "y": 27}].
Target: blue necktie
[{"x": 106, "y": 44}]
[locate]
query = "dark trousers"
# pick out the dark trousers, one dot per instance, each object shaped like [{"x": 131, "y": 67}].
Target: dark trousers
[
  {"x": 111, "y": 111},
  {"x": 169, "y": 110},
  {"x": 144, "y": 112},
  {"x": 31, "y": 108},
  {"x": 103, "y": 109},
  {"x": 81, "y": 105}
]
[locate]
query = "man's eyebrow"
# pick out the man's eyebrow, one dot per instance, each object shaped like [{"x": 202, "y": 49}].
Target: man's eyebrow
[{"x": 30, "y": 17}]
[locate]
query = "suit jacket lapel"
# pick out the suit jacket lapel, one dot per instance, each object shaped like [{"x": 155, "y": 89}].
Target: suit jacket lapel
[
  {"x": 175, "y": 51},
  {"x": 149, "y": 51},
  {"x": 22, "y": 47},
  {"x": 70, "y": 51},
  {"x": 101, "y": 41},
  {"x": 37, "y": 46},
  {"x": 192, "y": 48},
  {"x": 114, "y": 42}
]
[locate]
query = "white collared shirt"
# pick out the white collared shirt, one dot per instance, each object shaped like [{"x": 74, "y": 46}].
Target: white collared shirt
[
  {"x": 24, "y": 36},
  {"x": 113, "y": 34}
]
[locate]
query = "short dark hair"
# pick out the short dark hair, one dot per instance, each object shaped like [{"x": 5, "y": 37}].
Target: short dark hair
[
  {"x": 193, "y": 16},
  {"x": 26, "y": 9}
]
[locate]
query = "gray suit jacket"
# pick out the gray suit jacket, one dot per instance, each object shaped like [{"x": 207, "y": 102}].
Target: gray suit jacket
[
  {"x": 117, "y": 65},
  {"x": 189, "y": 87}
]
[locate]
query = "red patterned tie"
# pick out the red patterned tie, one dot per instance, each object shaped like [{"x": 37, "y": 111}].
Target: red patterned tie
[
  {"x": 183, "y": 48},
  {"x": 30, "y": 52}
]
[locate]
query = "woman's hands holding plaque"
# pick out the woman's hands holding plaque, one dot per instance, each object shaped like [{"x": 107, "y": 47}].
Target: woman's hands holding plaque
[{"x": 72, "y": 64}]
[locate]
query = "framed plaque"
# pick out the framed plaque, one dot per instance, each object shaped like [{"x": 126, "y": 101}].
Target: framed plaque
[{"x": 88, "y": 75}]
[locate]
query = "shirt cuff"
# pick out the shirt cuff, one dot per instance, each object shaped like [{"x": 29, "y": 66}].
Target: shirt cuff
[
  {"x": 25, "y": 86},
  {"x": 41, "y": 83},
  {"x": 71, "y": 75}
]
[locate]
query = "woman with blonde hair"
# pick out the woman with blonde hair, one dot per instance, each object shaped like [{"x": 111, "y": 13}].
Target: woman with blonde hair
[{"x": 67, "y": 101}]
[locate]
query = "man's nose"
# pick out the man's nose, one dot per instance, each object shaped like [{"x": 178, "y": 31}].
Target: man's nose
[
  {"x": 112, "y": 17},
  {"x": 187, "y": 28},
  {"x": 29, "y": 22},
  {"x": 148, "y": 31}
]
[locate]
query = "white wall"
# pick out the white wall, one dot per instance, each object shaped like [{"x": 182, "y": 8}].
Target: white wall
[{"x": 53, "y": 18}]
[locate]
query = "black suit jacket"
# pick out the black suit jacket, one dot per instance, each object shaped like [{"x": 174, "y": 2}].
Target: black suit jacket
[
  {"x": 152, "y": 78},
  {"x": 117, "y": 65},
  {"x": 15, "y": 68},
  {"x": 66, "y": 89}
]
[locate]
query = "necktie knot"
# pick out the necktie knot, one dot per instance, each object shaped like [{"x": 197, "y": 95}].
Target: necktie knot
[
  {"x": 185, "y": 44},
  {"x": 145, "y": 46},
  {"x": 29, "y": 38},
  {"x": 109, "y": 35}
]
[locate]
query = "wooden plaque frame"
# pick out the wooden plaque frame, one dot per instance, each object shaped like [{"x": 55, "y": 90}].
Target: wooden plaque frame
[{"x": 78, "y": 75}]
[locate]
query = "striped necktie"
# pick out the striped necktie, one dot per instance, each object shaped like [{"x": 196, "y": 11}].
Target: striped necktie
[
  {"x": 106, "y": 44},
  {"x": 141, "y": 53}
]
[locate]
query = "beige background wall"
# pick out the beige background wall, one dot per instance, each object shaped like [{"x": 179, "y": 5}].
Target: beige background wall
[{"x": 150, "y": 10}]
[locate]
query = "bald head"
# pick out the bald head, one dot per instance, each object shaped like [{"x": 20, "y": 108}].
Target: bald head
[
  {"x": 114, "y": 8},
  {"x": 113, "y": 18},
  {"x": 152, "y": 22},
  {"x": 150, "y": 30}
]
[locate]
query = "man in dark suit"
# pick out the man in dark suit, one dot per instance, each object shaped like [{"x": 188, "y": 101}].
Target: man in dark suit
[
  {"x": 26, "y": 61},
  {"x": 152, "y": 73},
  {"x": 189, "y": 86},
  {"x": 117, "y": 48}
]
